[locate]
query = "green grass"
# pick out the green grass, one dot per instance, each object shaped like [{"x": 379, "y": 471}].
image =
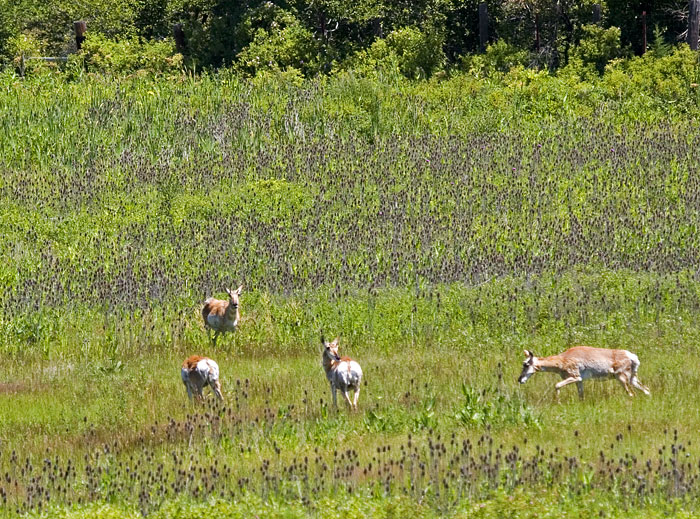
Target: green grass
[{"x": 438, "y": 228}]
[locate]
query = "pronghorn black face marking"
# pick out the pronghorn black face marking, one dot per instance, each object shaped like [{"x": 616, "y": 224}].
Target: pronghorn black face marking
[{"x": 528, "y": 367}]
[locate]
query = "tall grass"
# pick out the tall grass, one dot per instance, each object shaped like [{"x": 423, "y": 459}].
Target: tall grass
[{"x": 438, "y": 228}]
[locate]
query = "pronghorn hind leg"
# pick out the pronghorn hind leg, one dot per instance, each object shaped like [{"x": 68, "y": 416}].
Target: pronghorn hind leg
[
  {"x": 579, "y": 386},
  {"x": 216, "y": 387},
  {"x": 347, "y": 398},
  {"x": 636, "y": 383},
  {"x": 623, "y": 380},
  {"x": 356, "y": 397}
]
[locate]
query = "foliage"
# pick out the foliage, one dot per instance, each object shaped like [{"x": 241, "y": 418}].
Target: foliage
[
  {"x": 130, "y": 55},
  {"x": 274, "y": 39},
  {"x": 419, "y": 54},
  {"x": 499, "y": 57},
  {"x": 493, "y": 408},
  {"x": 596, "y": 47},
  {"x": 413, "y": 53},
  {"x": 439, "y": 227},
  {"x": 667, "y": 79}
]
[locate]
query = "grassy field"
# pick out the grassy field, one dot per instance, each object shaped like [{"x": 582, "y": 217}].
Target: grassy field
[{"x": 438, "y": 228}]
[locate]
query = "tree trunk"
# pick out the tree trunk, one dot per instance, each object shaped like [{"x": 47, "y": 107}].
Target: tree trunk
[
  {"x": 483, "y": 26},
  {"x": 693, "y": 23}
]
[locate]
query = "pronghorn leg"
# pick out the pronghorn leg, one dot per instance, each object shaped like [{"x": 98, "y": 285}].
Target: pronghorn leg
[
  {"x": 636, "y": 383},
  {"x": 566, "y": 382},
  {"x": 356, "y": 397},
  {"x": 347, "y": 398},
  {"x": 216, "y": 387},
  {"x": 189, "y": 391},
  {"x": 579, "y": 386},
  {"x": 623, "y": 380},
  {"x": 200, "y": 395},
  {"x": 216, "y": 336},
  {"x": 335, "y": 400}
]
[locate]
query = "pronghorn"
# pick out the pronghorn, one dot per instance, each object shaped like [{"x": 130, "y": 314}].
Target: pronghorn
[
  {"x": 222, "y": 316},
  {"x": 582, "y": 362},
  {"x": 198, "y": 372},
  {"x": 343, "y": 373}
]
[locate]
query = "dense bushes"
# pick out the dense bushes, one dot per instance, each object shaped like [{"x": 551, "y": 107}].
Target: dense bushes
[
  {"x": 126, "y": 56},
  {"x": 315, "y": 37}
]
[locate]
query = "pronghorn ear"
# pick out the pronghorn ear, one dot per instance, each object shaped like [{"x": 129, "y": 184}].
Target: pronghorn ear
[
  {"x": 335, "y": 342},
  {"x": 239, "y": 290},
  {"x": 528, "y": 353}
]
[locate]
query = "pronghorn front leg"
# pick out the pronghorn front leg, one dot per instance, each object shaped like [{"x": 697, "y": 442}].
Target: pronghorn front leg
[
  {"x": 356, "y": 397},
  {"x": 567, "y": 381},
  {"x": 335, "y": 400},
  {"x": 347, "y": 398}
]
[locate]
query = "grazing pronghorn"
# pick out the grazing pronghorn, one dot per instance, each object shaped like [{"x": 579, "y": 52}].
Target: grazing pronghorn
[
  {"x": 342, "y": 372},
  {"x": 582, "y": 362},
  {"x": 222, "y": 316},
  {"x": 198, "y": 372}
]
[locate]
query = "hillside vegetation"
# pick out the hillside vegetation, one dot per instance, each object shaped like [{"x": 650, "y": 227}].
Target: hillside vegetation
[{"x": 438, "y": 227}]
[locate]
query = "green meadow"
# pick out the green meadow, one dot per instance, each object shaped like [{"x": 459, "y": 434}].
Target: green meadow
[{"x": 439, "y": 228}]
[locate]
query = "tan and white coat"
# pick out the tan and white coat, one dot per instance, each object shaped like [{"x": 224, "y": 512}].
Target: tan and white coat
[
  {"x": 220, "y": 315},
  {"x": 584, "y": 362},
  {"x": 343, "y": 373},
  {"x": 197, "y": 373}
]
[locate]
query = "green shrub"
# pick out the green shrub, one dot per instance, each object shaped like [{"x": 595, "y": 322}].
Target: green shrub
[
  {"x": 24, "y": 45},
  {"x": 274, "y": 39},
  {"x": 415, "y": 54},
  {"x": 419, "y": 53},
  {"x": 102, "y": 54},
  {"x": 597, "y": 47},
  {"x": 668, "y": 80},
  {"x": 500, "y": 57}
]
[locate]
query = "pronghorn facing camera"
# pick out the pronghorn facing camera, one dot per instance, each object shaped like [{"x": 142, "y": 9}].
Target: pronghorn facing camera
[
  {"x": 583, "y": 362},
  {"x": 222, "y": 316},
  {"x": 197, "y": 373},
  {"x": 343, "y": 373}
]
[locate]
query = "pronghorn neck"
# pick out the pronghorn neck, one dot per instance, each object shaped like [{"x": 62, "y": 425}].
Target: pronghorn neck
[
  {"x": 551, "y": 363},
  {"x": 329, "y": 363},
  {"x": 232, "y": 310}
]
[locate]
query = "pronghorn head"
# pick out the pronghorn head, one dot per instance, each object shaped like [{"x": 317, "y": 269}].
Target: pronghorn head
[
  {"x": 529, "y": 367},
  {"x": 330, "y": 349},
  {"x": 233, "y": 296}
]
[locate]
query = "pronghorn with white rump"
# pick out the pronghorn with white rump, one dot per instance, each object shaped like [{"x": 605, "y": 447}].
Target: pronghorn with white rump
[
  {"x": 222, "y": 316},
  {"x": 343, "y": 373},
  {"x": 197, "y": 373},
  {"x": 583, "y": 362}
]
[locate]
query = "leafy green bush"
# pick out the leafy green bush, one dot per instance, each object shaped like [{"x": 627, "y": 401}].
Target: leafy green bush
[
  {"x": 597, "y": 47},
  {"x": 499, "y": 57},
  {"x": 274, "y": 39},
  {"x": 669, "y": 80},
  {"x": 102, "y": 54},
  {"x": 419, "y": 52},
  {"x": 416, "y": 54}
]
